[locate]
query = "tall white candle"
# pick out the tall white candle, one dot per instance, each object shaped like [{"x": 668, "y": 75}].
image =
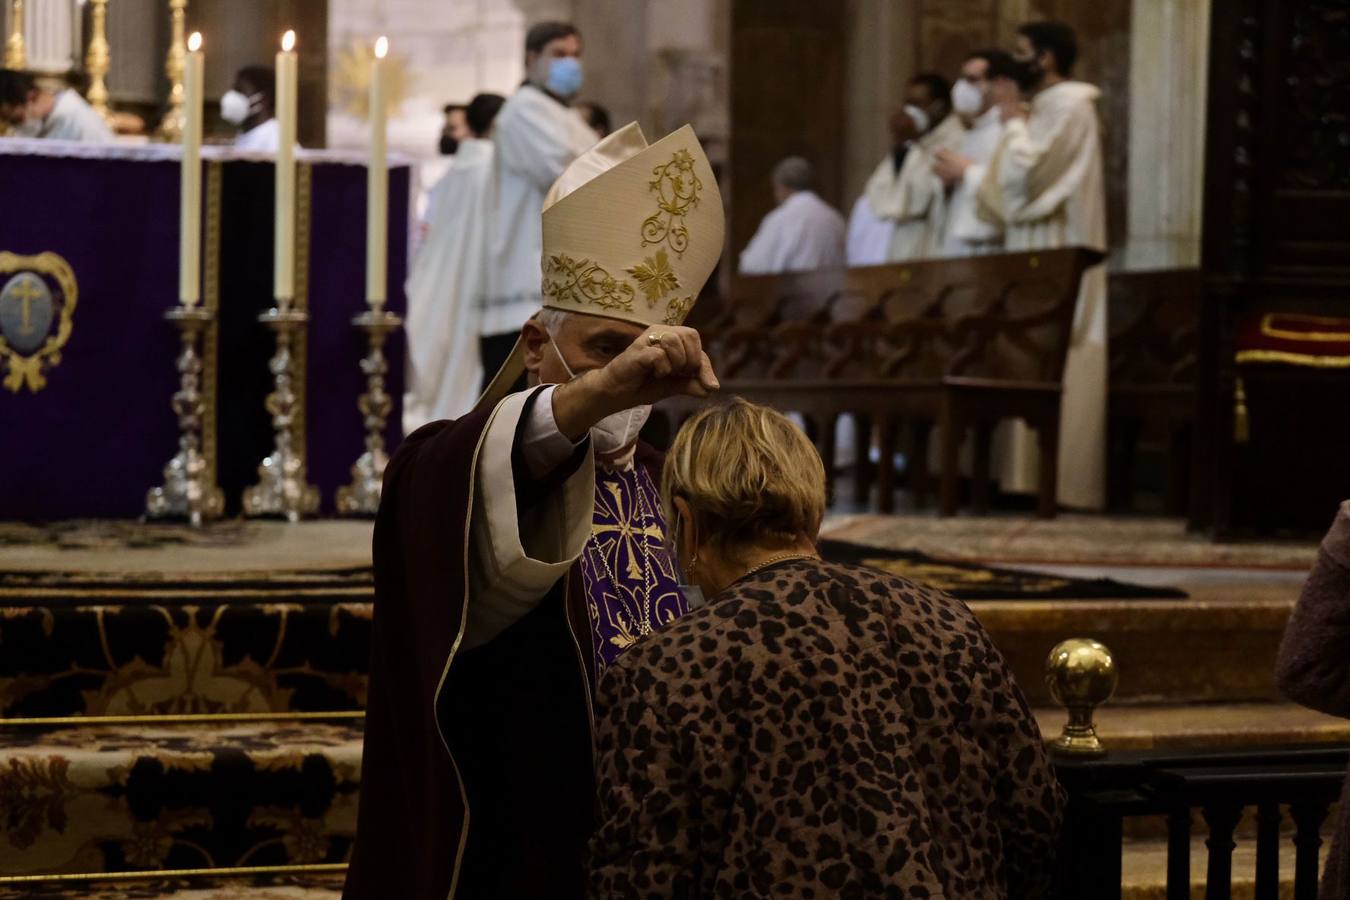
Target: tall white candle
[
  {"x": 377, "y": 184},
  {"x": 190, "y": 192},
  {"x": 283, "y": 277}
]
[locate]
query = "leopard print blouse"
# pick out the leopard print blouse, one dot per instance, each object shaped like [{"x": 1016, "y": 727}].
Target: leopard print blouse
[{"x": 821, "y": 731}]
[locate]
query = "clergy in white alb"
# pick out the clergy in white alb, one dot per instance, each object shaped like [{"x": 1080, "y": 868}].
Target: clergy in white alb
[
  {"x": 802, "y": 233},
  {"x": 537, "y": 136},
  {"x": 248, "y": 105},
  {"x": 904, "y": 191},
  {"x": 61, "y": 115},
  {"x": 1046, "y": 186},
  {"x": 980, "y": 97},
  {"x": 449, "y": 276}
]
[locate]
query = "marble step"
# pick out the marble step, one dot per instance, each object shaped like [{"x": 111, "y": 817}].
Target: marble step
[
  {"x": 1203, "y": 726},
  {"x": 101, "y": 799},
  {"x": 1217, "y": 645},
  {"x": 1144, "y": 869}
]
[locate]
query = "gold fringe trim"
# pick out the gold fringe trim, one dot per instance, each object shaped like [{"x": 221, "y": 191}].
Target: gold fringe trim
[
  {"x": 1268, "y": 328},
  {"x": 156, "y": 874},
  {"x": 1293, "y": 359}
]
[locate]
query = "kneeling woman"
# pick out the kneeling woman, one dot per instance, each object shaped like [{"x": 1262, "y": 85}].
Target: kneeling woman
[{"x": 812, "y": 730}]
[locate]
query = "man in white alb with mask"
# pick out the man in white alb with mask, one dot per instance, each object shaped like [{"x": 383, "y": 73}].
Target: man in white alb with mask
[
  {"x": 249, "y": 106},
  {"x": 899, "y": 216},
  {"x": 537, "y": 135},
  {"x": 1046, "y": 185},
  {"x": 984, "y": 96}
]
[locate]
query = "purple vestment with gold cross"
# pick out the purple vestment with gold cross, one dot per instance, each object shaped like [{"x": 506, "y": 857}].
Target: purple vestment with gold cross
[{"x": 631, "y": 585}]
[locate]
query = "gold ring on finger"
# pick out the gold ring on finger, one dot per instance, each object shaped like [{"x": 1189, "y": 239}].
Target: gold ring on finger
[{"x": 654, "y": 339}]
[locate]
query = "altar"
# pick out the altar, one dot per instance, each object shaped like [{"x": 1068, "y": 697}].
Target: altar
[{"x": 89, "y": 365}]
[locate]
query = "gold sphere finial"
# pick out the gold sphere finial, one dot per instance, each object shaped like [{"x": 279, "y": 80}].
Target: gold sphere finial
[{"x": 1081, "y": 675}]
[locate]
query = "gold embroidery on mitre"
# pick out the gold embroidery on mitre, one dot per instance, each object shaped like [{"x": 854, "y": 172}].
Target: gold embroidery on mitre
[
  {"x": 655, "y": 276},
  {"x": 677, "y": 189},
  {"x": 583, "y": 281},
  {"x": 677, "y": 308}
]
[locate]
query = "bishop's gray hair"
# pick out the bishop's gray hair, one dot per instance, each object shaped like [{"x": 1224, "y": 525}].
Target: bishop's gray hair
[
  {"x": 795, "y": 173},
  {"x": 552, "y": 320}
]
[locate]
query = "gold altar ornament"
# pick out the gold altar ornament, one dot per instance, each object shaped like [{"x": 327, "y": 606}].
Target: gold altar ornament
[
  {"x": 175, "y": 65},
  {"x": 1081, "y": 675},
  {"x": 16, "y": 55},
  {"x": 98, "y": 58},
  {"x": 349, "y": 83},
  {"x": 37, "y": 313}
]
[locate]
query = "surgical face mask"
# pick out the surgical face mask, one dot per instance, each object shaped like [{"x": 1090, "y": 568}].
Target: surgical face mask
[
  {"x": 235, "y": 107},
  {"x": 564, "y": 76},
  {"x": 614, "y": 432},
  {"x": 921, "y": 120},
  {"x": 967, "y": 99}
]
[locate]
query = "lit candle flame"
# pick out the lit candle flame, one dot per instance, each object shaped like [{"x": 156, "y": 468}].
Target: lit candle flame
[
  {"x": 381, "y": 47},
  {"x": 195, "y": 42},
  {"x": 288, "y": 41}
]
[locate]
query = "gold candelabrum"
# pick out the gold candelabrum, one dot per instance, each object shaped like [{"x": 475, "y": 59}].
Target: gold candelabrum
[
  {"x": 282, "y": 488},
  {"x": 16, "y": 56},
  {"x": 189, "y": 490},
  {"x": 171, "y": 126},
  {"x": 97, "y": 57},
  {"x": 362, "y": 496},
  {"x": 1081, "y": 675}
]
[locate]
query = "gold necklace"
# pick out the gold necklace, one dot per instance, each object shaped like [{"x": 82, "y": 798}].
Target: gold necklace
[{"x": 782, "y": 557}]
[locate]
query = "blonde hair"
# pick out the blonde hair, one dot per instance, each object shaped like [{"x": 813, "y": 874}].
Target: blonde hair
[{"x": 749, "y": 475}]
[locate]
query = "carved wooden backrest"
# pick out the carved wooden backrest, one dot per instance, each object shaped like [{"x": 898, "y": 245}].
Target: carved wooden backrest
[
  {"x": 1153, "y": 319},
  {"x": 1006, "y": 316}
]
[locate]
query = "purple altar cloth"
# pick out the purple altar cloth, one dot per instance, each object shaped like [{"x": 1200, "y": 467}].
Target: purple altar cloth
[
  {"x": 89, "y": 443},
  {"x": 96, "y": 437}
]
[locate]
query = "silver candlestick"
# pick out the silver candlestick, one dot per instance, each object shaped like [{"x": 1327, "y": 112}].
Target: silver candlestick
[
  {"x": 362, "y": 496},
  {"x": 189, "y": 489},
  {"x": 282, "y": 489}
]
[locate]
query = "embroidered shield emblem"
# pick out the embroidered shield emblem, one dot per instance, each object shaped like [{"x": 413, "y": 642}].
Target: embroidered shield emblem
[
  {"x": 37, "y": 308},
  {"x": 26, "y": 312}
]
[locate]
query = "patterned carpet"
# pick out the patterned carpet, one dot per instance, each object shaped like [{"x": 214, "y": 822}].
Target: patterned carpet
[
  {"x": 977, "y": 581},
  {"x": 291, "y": 887},
  {"x": 1069, "y": 539},
  {"x": 103, "y": 646},
  {"x": 143, "y": 796}
]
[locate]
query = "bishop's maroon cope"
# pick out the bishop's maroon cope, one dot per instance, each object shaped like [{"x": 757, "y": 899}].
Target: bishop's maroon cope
[{"x": 477, "y": 779}]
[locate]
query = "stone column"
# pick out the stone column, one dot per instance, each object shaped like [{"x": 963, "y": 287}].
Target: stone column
[
  {"x": 882, "y": 54},
  {"x": 51, "y": 35},
  {"x": 688, "y": 81},
  {"x": 1169, "y": 50}
]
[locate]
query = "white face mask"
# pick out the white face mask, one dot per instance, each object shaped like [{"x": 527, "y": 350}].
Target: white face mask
[
  {"x": 921, "y": 120},
  {"x": 617, "y": 431},
  {"x": 235, "y": 107},
  {"x": 967, "y": 99}
]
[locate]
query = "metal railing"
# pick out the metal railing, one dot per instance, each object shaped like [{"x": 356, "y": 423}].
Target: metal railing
[{"x": 1105, "y": 789}]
